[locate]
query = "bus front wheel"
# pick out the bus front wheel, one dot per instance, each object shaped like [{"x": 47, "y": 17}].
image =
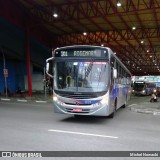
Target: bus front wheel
[
  {"x": 125, "y": 103},
  {"x": 114, "y": 110}
]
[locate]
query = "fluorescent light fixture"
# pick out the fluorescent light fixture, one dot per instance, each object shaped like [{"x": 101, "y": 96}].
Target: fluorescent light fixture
[
  {"x": 55, "y": 15},
  {"x": 133, "y": 28},
  {"x": 119, "y": 4},
  {"x": 84, "y": 33}
]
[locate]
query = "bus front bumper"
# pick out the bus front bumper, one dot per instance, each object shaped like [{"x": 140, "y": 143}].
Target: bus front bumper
[
  {"x": 139, "y": 93},
  {"x": 98, "y": 110}
]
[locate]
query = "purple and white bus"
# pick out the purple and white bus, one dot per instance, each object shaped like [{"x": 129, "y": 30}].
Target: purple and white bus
[{"x": 88, "y": 80}]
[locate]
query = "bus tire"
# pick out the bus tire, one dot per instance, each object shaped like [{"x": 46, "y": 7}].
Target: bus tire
[
  {"x": 115, "y": 107},
  {"x": 125, "y": 103},
  {"x": 111, "y": 115}
]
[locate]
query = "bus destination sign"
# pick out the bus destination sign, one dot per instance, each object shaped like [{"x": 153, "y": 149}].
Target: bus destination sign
[{"x": 81, "y": 53}]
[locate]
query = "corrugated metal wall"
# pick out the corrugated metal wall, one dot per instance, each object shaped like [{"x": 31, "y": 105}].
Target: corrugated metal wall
[
  {"x": 12, "y": 45},
  {"x": 15, "y": 79}
]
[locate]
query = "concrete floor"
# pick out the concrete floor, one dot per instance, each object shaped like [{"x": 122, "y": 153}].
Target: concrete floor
[{"x": 35, "y": 127}]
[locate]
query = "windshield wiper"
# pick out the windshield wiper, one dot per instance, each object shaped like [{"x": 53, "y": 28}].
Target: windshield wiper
[
  {"x": 100, "y": 75},
  {"x": 89, "y": 68}
]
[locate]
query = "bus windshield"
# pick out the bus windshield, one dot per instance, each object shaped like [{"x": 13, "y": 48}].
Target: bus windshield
[
  {"x": 81, "y": 76},
  {"x": 138, "y": 86}
]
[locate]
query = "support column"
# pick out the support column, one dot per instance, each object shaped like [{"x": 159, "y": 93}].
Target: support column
[{"x": 29, "y": 78}]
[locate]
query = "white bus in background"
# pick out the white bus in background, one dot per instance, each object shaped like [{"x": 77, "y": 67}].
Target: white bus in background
[
  {"x": 88, "y": 80},
  {"x": 143, "y": 88}
]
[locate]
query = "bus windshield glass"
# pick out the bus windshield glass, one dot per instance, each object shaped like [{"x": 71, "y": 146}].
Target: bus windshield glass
[
  {"x": 139, "y": 86},
  {"x": 81, "y": 76}
]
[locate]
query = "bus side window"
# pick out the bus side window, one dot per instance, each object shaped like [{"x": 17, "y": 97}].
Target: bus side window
[
  {"x": 112, "y": 64},
  {"x": 117, "y": 67},
  {"x": 125, "y": 81}
]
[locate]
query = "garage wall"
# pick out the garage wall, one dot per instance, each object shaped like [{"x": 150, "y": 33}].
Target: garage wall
[
  {"x": 12, "y": 44},
  {"x": 15, "y": 79}
]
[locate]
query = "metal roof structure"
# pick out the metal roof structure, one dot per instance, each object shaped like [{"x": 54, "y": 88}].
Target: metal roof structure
[{"x": 131, "y": 30}]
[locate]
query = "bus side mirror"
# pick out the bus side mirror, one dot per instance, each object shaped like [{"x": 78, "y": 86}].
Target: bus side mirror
[
  {"x": 114, "y": 73},
  {"x": 47, "y": 67},
  {"x": 48, "y": 61}
]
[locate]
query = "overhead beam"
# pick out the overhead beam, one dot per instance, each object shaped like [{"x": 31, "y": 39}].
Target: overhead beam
[{"x": 103, "y": 5}]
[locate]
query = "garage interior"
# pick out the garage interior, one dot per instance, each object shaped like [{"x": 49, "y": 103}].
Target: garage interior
[{"x": 31, "y": 29}]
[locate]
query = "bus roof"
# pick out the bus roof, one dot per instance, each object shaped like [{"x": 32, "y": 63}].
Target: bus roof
[{"x": 73, "y": 46}]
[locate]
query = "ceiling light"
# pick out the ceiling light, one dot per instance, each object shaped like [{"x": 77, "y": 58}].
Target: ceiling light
[
  {"x": 133, "y": 28},
  {"x": 55, "y": 15},
  {"x": 150, "y": 56},
  {"x": 84, "y": 33},
  {"x": 142, "y": 41},
  {"x": 118, "y": 4},
  {"x": 147, "y": 50}
]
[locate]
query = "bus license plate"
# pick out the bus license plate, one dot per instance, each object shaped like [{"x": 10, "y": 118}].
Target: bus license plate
[{"x": 77, "y": 110}]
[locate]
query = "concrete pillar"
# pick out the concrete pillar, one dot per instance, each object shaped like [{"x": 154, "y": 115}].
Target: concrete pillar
[{"x": 28, "y": 59}]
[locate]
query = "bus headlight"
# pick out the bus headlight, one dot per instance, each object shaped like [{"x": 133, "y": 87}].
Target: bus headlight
[
  {"x": 104, "y": 100},
  {"x": 154, "y": 90},
  {"x": 55, "y": 98}
]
